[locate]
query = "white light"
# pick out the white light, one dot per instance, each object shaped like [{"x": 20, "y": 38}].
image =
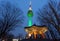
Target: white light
[
  {"x": 3, "y": 40},
  {"x": 29, "y": 35},
  {"x": 30, "y": 8},
  {"x": 15, "y": 39}
]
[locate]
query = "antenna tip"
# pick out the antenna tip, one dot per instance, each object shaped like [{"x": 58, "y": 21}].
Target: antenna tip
[{"x": 30, "y": 2}]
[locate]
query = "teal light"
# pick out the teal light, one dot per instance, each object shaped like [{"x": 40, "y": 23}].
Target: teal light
[
  {"x": 30, "y": 22},
  {"x": 30, "y": 15}
]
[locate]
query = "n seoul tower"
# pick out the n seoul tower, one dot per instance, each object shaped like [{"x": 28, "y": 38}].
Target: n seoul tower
[
  {"x": 30, "y": 15},
  {"x": 34, "y": 30}
]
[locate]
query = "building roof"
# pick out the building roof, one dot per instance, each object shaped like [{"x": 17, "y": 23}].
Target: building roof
[{"x": 36, "y": 26}]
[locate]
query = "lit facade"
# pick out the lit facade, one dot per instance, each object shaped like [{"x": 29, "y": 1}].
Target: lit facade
[{"x": 35, "y": 30}]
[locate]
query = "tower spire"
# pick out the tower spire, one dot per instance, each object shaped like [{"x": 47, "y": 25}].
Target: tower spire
[{"x": 30, "y": 8}]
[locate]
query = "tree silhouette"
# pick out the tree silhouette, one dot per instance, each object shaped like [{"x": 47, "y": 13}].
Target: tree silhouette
[
  {"x": 20, "y": 36},
  {"x": 10, "y": 37},
  {"x": 49, "y": 16},
  {"x": 11, "y": 17}
]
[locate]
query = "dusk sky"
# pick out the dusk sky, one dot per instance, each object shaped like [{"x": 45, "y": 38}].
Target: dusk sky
[{"x": 24, "y": 5}]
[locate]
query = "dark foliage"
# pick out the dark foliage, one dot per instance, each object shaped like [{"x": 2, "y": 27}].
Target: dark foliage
[
  {"x": 11, "y": 17},
  {"x": 50, "y": 16}
]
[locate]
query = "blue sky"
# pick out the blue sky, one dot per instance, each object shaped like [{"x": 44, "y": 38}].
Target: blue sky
[{"x": 24, "y": 5}]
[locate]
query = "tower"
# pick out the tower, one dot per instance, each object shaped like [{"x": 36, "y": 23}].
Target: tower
[
  {"x": 34, "y": 30},
  {"x": 30, "y": 15}
]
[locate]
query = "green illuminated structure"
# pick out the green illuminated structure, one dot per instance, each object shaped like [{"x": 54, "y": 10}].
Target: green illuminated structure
[{"x": 30, "y": 15}]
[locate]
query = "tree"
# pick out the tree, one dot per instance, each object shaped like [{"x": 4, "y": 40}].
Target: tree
[
  {"x": 49, "y": 16},
  {"x": 10, "y": 37},
  {"x": 11, "y": 17},
  {"x": 20, "y": 36}
]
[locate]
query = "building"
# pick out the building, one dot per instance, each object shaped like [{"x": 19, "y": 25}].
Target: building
[{"x": 35, "y": 31}]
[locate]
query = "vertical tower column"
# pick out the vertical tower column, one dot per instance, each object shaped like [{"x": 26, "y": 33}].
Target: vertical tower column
[
  {"x": 30, "y": 15},
  {"x": 30, "y": 22}
]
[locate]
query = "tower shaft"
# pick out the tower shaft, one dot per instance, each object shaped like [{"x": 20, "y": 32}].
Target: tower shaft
[{"x": 30, "y": 22}]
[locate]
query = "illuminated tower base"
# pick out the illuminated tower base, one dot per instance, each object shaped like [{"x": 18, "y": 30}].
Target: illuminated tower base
[
  {"x": 30, "y": 22},
  {"x": 36, "y": 30}
]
